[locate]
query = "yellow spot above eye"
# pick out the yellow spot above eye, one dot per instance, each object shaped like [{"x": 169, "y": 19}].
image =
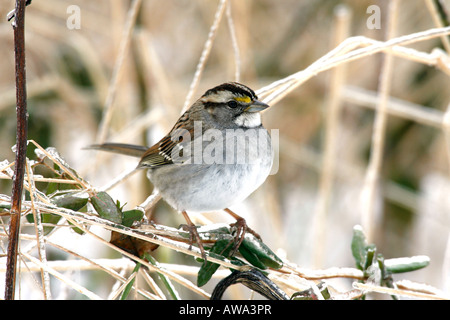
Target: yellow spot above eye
[{"x": 245, "y": 99}]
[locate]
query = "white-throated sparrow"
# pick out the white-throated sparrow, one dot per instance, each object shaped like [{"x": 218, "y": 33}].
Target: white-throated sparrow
[{"x": 215, "y": 156}]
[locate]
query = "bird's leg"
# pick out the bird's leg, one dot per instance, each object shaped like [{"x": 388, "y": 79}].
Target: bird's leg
[
  {"x": 193, "y": 234},
  {"x": 241, "y": 229}
]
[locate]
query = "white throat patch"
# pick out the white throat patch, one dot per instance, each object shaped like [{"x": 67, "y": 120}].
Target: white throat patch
[{"x": 249, "y": 120}]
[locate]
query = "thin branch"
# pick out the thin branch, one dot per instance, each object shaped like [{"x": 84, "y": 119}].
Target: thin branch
[
  {"x": 391, "y": 291},
  {"x": 205, "y": 53},
  {"x": 344, "y": 53},
  {"x": 21, "y": 146},
  {"x": 39, "y": 233},
  {"x": 395, "y": 107},
  {"x": 63, "y": 278},
  {"x": 234, "y": 42},
  {"x": 124, "y": 44},
  {"x": 372, "y": 179},
  {"x": 342, "y": 24},
  {"x": 439, "y": 20}
]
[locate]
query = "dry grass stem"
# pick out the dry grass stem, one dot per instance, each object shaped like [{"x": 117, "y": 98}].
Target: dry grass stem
[
  {"x": 372, "y": 178},
  {"x": 277, "y": 90},
  {"x": 234, "y": 42},
  {"x": 338, "y": 74},
  {"x": 431, "y": 6},
  {"x": 39, "y": 233},
  {"x": 89, "y": 294},
  {"x": 205, "y": 54},
  {"x": 122, "y": 51},
  {"x": 397, "y": 292}
]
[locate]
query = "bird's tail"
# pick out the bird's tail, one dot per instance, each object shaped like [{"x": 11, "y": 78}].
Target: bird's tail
[{"x": 122, "y": 148}]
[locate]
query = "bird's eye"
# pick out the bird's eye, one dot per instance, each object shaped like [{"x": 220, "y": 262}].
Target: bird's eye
[{"x": 232, "y": 104}]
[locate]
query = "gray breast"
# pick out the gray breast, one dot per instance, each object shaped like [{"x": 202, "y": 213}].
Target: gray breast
[{"x": 230, "y": 166}]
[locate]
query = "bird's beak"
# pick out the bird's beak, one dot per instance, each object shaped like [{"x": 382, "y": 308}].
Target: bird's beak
[{"x": 256, "y": 106}]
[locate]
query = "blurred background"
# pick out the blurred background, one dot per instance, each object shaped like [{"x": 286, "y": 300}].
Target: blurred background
[{"x": 70, "y": 67}]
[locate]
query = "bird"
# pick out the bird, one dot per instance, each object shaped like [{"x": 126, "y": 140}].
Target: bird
[{"x": 215, "y": 156}]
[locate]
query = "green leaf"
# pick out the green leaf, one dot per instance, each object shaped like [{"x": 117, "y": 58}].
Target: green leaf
[
  {"x": 359, "y": 244},
  {"x": 47, "y": 218},
  {"x": 129, "y": 286},
  {"x": 130, "y": 216},
  {"x": 72, "y": 201},
  {"x": 76, "y": 229},
  {"x": 399, "y": 265},
  {"x": 54, "y": 187},
  {"x": 261, "y": 251},
  {"x": 106, "y": 207},
  {"x": 370, "y": 255},
  {"x": 4, "y": 206},
  {"x": 251, "y": 257},
  {"x": 165, "y": 280},
  {"x": 221, "y": 247}
]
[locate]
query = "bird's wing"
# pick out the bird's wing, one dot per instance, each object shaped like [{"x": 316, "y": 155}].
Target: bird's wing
[{"x": 168, "y": 150}]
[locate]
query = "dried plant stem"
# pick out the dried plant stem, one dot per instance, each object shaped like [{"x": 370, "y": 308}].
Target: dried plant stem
[
  {"x": 118, "y": 179},
  {"x": 392, "y": 291},
  {"x": 21, "y": 145},
  {"x": 95, "y": 264},
  {"x": 39, "y": 234},
  {"x": 205, "y": 54},
  {"x": 150, "y": 202},
  {"x": 63, "y": 278},
  {"x": 395, "y": 107},
  {"x": 446, "y": 130},
  {"x": 63, "y": 167},
  {"x": 342, "y": 18},
  {"x": 431, "y": 5},
  {"x": 234, "y": 42},
  {"x": 116, "y": 294},
  {"x": 153, "y": 284},
  {"x": 109, "y": 265},
  {"x": 156, "y": 76},
  {"x": 277, "y": 90},
  {"x": 123, "y": 48},
  {"x": 372, "y": 179},
  {"x": 41, "y": 179},
  {"x": 77, "y": 218}
]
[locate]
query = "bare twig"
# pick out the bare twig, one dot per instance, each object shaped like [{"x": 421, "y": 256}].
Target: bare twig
[
  {"x": 345, "y": 52},
  {"x": 63, "y": 278},
  {"x": 234, "y": 42},
  {"x": 124, "y": 44},
  {"x": 21, "y": 145},
  {"x": 205, "y": 53},
  {"x": 371, "y": 183},
  {"x": 342, "y": 17},
  {"x": 439, "y": 19},
  {"x": 396, "y": 107},
  {"x": 391, "y": 291},
  {"x": 39, "y": 233}
]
